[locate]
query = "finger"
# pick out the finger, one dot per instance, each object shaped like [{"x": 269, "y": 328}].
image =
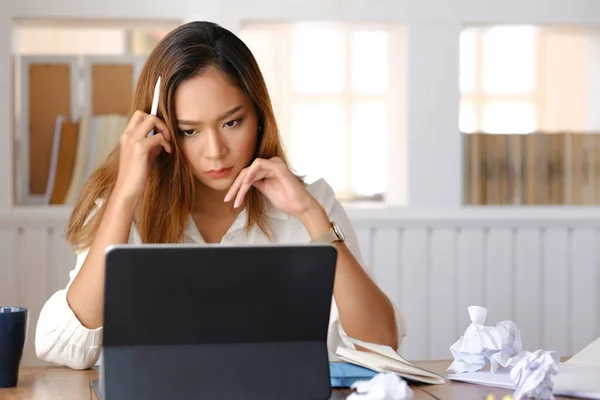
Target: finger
[
  {"x": 157, "y": 141},
  {"x": 256, "y": 174},
  {"x": 235, "y": 185},
  {"x": 260, "y": 185},
  {"x": 135, "y": 120},
  {"x": 238, "y": 182},
  {"x": 151, "y": 122}
]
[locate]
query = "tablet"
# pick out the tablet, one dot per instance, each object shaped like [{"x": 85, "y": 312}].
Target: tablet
[{"x": 217, "y": 322}]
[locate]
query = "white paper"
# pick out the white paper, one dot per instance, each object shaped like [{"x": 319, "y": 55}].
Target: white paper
[
  {"x": 578, "y": 380},
  {"x": 511, "y": 347},
  {"x": 54, "y": 158},
  {"x": 499, "y": 346},
  {"x": 533, "y": 375},
  {"x": 383, "y": 386},
  {"x": 590, "y": 354}
]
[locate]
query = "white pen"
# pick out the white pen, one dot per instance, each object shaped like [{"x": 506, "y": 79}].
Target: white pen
[{"x": 154, "y": 108}]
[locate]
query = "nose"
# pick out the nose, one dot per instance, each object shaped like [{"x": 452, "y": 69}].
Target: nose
[{"x": 215, "y": 145}]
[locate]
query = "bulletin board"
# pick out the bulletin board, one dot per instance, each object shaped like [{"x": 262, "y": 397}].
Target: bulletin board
[
  {"x": 112, "y": 88},
  {"x": 49, "y": 96}
]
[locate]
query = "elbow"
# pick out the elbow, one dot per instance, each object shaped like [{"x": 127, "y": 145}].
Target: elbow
[
  {"x": 394, "y": 341},
  {"x": 60, "y": 338},
  {"x": 393, "y": 330},
  {"x": 400, "y": 330},
  {"x": 389, "y": 337},
  {"x": 81, "y": 364},
  {"x": 69, "y": 356}
]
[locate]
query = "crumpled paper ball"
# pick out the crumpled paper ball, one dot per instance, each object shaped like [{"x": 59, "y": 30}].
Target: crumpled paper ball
[
  {"x": 499, "y": 346},
  {"x": 533, "y": 375},
  {"x": 383, "y": 386}
]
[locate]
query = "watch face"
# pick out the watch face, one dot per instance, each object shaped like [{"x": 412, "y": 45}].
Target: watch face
[{"x": 339, "y": 232}]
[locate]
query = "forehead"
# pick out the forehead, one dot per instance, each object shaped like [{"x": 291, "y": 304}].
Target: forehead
[{"x": 206, "y": 96}]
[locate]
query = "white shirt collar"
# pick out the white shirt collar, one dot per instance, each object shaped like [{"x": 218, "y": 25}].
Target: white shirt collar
[{"x": 238, "y": 224}]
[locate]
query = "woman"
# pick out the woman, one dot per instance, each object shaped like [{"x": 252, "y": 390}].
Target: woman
[{"x": 214, "y": 172}]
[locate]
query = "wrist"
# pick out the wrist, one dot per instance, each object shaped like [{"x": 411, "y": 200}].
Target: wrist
[
  {"x": 123, "y": 200},
  {"x": 315, "y": 220}
]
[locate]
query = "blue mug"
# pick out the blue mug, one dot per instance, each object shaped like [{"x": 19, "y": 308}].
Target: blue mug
[{"x": 13, "y": 332}]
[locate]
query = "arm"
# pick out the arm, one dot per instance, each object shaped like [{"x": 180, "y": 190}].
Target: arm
[
  {"x": 137, "y": 152},
  {"x": 60, "y": 338},
  {"x": 85, "y": 296},
  {"x": 69, "y": 327},
  {"x": 365, "y": 311}
]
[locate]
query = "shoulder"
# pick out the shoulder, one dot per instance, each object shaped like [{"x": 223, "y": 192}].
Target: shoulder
[{"x": 323, "y": 193}]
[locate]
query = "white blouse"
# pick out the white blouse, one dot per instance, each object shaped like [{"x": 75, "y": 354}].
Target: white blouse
[{"x": 60, "y": 337}]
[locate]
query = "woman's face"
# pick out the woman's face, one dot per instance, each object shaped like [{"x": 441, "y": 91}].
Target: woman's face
[{"x": 217, "y": 128}]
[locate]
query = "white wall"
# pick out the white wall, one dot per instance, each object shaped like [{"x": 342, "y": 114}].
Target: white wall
[
  {"x": 433, "y": 103},
  {"x": 6, "y": 107}
]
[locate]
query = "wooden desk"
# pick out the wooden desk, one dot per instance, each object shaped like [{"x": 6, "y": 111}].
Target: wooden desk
[
  {"x": 460, "y": 390},
  {"x": 43, "y": 383},
  {"x": 52, "y": 383},
  {"x": 62, "y": 383}
]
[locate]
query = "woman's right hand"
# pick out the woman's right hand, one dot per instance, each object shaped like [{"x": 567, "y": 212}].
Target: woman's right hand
[{"x": 137, "y": 151}]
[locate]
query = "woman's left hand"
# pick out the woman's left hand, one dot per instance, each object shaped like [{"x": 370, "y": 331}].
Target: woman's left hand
[{"x": 275, "y": 180}]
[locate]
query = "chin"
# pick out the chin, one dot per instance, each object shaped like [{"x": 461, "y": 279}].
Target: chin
[{"x": 219, "y": 185}]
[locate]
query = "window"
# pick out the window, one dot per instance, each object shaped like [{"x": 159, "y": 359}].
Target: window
[
  {"x": 329, "y": 85},
  {"x": 498, "y": 79},
  {"x": 522, "y": 79},
  {"x": 60, "y": 70},
  {"x": 540, "y": 84}
]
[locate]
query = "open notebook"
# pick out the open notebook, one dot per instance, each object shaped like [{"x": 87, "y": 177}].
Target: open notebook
[{"x": 383, "y": 358}]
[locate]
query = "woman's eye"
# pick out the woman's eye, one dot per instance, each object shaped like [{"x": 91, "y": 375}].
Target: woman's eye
[
  {"x": 232, "y": 123},
  {"x": 187, "y": 132}
]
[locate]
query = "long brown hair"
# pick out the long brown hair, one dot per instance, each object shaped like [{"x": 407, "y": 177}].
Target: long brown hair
[{"x": 164, "y": 207}]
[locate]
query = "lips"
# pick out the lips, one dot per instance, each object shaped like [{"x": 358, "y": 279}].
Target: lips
[{"x": 219, "y": 173}]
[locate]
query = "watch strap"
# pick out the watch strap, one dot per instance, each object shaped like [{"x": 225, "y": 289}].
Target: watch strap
[{"x": 328, "y": 237}]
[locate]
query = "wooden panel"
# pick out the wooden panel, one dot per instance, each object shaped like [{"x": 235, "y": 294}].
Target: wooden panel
[
  {"x": 386, "y": 262},
  {"x": 475, "y": 154},
  {"x": 415, "y": 292},
  {"x": 555, "y": 287},
  {"x": 442, "y": 314},
  {"x": 112, "y": 88},
  {"x": 528, "y": 287},
  {"x": 49, "y": 96},
  {"x": 515, "y": 168},
  {"x": 556, "y": 170},
  {"x": 470, "y": 274},
  {"x": 498, "y": 275},
  {"x": 596, "y": 154},
  {"x": 584, "y": 289},
  {"x": 8, "y": 267},
  {"x": 33, "y": 282},
  {"x": 430, "y": 274}
]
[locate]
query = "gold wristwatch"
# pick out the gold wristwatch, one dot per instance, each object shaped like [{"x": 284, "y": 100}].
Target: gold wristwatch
[{"x": 334, "y": 234}]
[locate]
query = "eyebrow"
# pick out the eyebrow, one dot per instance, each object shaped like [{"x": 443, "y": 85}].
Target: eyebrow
[{"x": 222, "y": 116}]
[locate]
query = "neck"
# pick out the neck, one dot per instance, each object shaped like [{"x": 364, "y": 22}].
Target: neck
[{"x": 210, "y": 202}]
